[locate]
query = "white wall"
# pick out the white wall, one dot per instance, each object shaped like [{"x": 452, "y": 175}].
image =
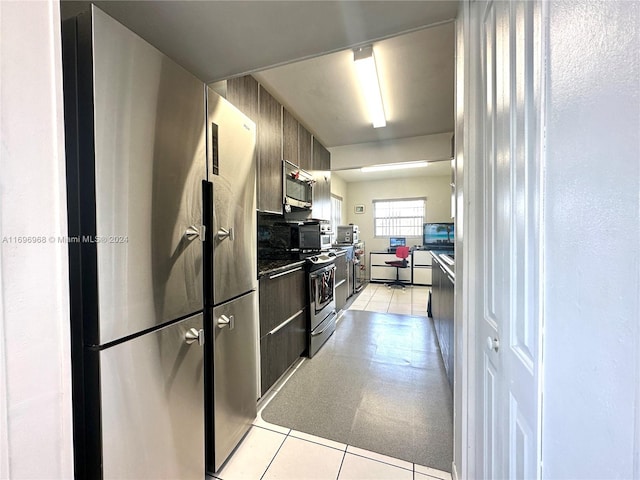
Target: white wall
[
  {"x": 591, "y": 390},
  {"x": 435, "y": 189},
  {"x": 35, "y": 379},
  {"x": 427, "y": 147}
]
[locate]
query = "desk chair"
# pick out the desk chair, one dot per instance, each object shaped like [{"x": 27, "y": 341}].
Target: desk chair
[{"x": 402, "y": 253}]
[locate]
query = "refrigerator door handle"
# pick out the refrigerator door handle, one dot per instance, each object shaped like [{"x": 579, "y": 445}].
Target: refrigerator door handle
[
  {"x": 195, "y": 231},
  {"x": 193, "y": 335},
  {"x": 225, "y": 321},
  {"x": 224, "y": 233}
]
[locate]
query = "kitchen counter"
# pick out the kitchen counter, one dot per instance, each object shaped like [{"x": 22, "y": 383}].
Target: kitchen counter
[
  {"x": 447, "y": 261},
  {"x": 271, "y": 266}
]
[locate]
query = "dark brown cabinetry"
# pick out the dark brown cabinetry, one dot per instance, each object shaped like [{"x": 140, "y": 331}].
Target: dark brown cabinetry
[
  {"x": 243, "y": 93},
  {"x": 269, "y": 176},
  {"x": 304, "y": 148},
  {"x": 321, "y": 166},
  {"x": 321, "y": 209},
  {"x": 442, "y": 310},
  {"x": 321, "y": 157},
  {"x": 283, "y": 324},
  {"x": 289, "y": 137},
  {"x": 281, "y": 137}
]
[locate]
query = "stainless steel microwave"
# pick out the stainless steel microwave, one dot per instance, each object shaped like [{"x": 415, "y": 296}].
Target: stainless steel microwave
[
  {"x": 295, "y": 236},
  {"x": 348, "y": 234},
  {"x": 298, "y": 187}
]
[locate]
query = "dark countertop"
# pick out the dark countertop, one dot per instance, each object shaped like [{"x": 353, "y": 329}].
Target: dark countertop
[{"x": 270, "y": 266}]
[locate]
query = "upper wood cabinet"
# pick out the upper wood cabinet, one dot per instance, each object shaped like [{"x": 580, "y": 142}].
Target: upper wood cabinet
[
  {"x": 321, "y": 157},
  {"x": 289, "y": 137},
  {"x": 304, "y": 148},
  {"x": 269, "y": 181},
  {"x": 243, "y": 93}
]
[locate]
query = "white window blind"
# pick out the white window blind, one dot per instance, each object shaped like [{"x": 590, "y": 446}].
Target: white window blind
[
  {"x": 336, "y": 214},
  {"x": 399, "y": 218}
]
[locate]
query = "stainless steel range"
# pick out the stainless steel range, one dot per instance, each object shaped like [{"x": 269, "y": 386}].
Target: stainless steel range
[{"x": 322, "y": 303}]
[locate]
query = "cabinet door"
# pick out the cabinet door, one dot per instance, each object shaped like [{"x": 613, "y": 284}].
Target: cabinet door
[
  {"x": 304, "y": 148},
  {"x": 321, "y": 209},
  {"x": 281, "y": 296},
  {"x": 341, "y": 268},
  {"x": 321, "y": 156},
  {"x": 243, "y": 93},
  {"x": 289, "y": 137},
  {"x": 421, "y": 275},
  {"x": 280, "y": 349},
  {"x": 269, "y": 179}
]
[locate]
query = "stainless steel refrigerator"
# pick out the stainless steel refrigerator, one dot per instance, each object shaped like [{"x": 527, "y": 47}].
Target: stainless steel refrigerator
[
  {"x": 232, "y": 318},
  {"x": 136, "y": 162}
]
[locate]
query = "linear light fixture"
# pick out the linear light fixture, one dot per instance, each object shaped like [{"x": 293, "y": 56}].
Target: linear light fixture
[
  {"x": 394, "y": 166},
  {"x": 365, "y": 64}
]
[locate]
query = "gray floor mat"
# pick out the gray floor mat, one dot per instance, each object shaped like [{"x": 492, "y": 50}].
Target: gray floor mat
[{"x": 379, "y": 384}]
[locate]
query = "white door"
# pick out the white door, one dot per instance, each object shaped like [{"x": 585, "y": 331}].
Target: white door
[{"x": 507, "y": 308}]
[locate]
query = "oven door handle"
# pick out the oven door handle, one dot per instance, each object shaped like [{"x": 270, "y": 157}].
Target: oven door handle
[{"x": 321, "y": 272}]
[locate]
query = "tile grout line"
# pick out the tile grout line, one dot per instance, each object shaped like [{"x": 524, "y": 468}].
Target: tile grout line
[
  {"x": 271, "y": 430},
  {"x": 344, "y": 455},
  {"x": 274, "y": 457},
  {"x": 317, "y": 443},
  {"x": 376, "y": 460}
]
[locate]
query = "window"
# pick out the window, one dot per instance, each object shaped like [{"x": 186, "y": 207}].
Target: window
[
  {"x": 336, "y": 214},
  {"x": 399, "y": 218}
]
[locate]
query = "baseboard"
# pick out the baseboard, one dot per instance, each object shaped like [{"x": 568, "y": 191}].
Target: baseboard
[{"x": 454, "y": 471}]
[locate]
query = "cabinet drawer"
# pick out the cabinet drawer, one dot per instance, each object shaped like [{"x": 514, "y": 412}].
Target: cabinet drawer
[
  {"x": 422, "y": 258},
  {"x": 381, "y": 258},
  {"x": 422, "y": 275},
  {"x": 281, "y": 296},
  {"x": 387, "y": 273},
  {"x": 280, "y": 349}
]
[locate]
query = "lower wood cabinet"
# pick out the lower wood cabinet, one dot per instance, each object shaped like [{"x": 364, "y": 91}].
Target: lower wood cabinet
[
  {"x": 278, "y": 350},
  {"x": 283, "y": 323},
  {"x": 442, "y": 311}
]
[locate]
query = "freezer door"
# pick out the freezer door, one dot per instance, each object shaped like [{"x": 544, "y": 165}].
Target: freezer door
[
  {"x": 231, "y": 138},
  {"x": 152, "y": 397},
  {"x": 150, "y": 161},
  {"x": 235, "y": 392}
]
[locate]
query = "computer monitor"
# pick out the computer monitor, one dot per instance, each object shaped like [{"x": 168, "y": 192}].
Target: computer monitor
[
  {"x": 438, "y": 235},
  {"x": 395, "y": 242}
]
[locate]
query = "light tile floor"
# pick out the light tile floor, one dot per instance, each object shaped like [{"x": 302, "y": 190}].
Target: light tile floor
[
  {"x": 270, "y": 451},
  {"x": 377, "y": 297}
]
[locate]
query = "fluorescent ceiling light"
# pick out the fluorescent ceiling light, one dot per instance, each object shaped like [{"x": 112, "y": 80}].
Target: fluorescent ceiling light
[
  {"x": 367, "y": 73},
  {"x": 394, "y": 166}
]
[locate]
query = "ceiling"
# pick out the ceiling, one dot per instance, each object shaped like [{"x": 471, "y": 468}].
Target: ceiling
[
  {"x": 416, "y": 73},
  {"x": 434, "y": 169},
  {"x": 302, "y": 52},
  {"x": 216, "y": 40}
]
